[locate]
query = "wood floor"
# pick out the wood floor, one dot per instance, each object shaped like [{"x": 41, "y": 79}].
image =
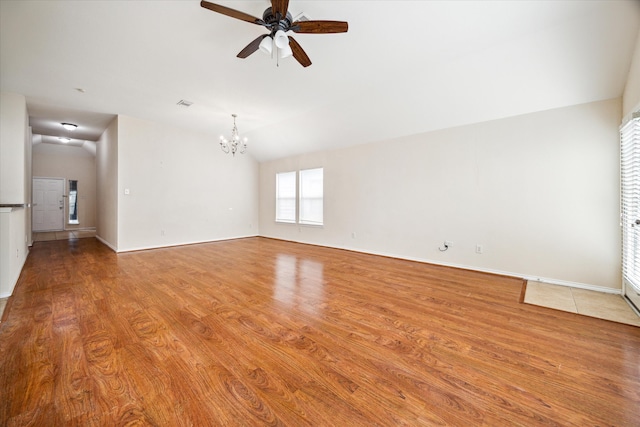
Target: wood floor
[{"x": 263, "y": 332}]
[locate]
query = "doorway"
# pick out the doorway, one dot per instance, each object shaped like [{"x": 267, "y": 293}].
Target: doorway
[{"x": 48, "y": 204}]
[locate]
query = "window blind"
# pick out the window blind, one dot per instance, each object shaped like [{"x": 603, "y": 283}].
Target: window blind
[
  {"x": 630, "y": 201},
  {"x": 311, "y": 196},
  {"x": 286, "y": 197}
]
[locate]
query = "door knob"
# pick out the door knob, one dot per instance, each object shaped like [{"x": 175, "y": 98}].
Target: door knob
[{"x": 637, "y": 221}]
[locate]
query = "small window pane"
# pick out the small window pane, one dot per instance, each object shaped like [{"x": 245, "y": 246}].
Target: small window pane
[
  {"x": 311, "y": 196},
  {"x": 73, "y": 202},
  {"x": 286, "y": 197}
]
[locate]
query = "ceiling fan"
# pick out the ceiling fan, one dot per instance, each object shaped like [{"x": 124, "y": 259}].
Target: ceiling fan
[{"x": 278, "y": 21}]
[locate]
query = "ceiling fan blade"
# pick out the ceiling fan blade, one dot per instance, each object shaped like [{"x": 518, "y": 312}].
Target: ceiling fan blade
[
  {"x": 320, "y": 27},
  {"x": 280, "y": 6},
  {"x": 252, "y": 47},
  {"x": 231, "y": 12},
  {"x": 299, "y": 53}
]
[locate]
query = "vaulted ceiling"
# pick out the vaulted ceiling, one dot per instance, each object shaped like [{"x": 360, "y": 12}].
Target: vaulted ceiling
[{"x": 404, "y": 67}]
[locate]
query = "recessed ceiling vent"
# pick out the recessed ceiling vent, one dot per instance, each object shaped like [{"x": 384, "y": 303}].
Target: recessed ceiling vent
[
  {"x": 184, "y": 103},
  {"x": 301, "y": 17}
]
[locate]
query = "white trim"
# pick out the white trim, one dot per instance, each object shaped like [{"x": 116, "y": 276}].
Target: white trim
[
  {"x": 548, "y": 280},
  {"x": 15, "y": 280},
  {"x": 145, "y": 248},
  {"x": 104, "y": 242},
  {"x": 588, "y": 287}
]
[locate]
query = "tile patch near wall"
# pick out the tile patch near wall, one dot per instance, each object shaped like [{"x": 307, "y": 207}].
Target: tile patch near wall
[
  {"x": 3, "y": 304},
  {"x": 551, "y": 296},
  {"x": 581, "y": 301}
]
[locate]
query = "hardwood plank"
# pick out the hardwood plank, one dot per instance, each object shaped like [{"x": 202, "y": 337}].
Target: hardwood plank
[{"x": 265, "y": 332}]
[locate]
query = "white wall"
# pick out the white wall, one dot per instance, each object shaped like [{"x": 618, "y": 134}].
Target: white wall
[
  {"x": 14, "y": 189},
  {"x": 182, "y": 188},
  {"x": 69, "y": 162},
  {"x": 107, "y": 186},
  {"x": 13, "y": 122},
  {"x": 631, "y": 96},
  {"x": 13, "y": 248},
  {"x": 539, "y": 192}
]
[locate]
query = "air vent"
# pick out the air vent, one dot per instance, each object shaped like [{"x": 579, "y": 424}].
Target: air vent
[
  {"x": 184, "y": 103},
  {"x": 301, "y": 17}
]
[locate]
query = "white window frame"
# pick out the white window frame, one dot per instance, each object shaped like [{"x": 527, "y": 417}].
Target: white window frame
[
  {"x": 291, "y": 193},
  {"x": 306, "y": 192}
]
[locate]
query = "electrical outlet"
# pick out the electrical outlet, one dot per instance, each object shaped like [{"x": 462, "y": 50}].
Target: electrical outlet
[
  {"x": 162, "y": 232},
  {"x": 479, "y": 249},
  {"x": 353, "y": 235}
]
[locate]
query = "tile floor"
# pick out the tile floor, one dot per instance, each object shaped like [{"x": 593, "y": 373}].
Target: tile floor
[
  {"x": 63, "y": 235},
  {"x": 3, "y": 304},
  {"x": 581, "y": 301}
]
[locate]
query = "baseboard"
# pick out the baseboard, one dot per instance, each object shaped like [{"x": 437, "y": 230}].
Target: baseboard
[
  {"x": 574, "y": 285},
  {"x": 472, "y": 268},
  {"x": 107, "y": 244},
  {"x": 172, "y": 245},
  {"x": 15, "y": 279}
]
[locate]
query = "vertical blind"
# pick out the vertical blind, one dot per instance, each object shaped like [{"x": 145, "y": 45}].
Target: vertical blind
[
  {"x": 311, "y": 196},
  {"x": 286, "y": 197},
  {"x": 630, "y": 200}
]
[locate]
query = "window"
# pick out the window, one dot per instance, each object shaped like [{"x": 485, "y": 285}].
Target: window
[
  {"x": 305, "y": 206},
  {"x": 630, "y": 207},
  {"x": 73, "y": 202},
  {"x": 286, "y": 197},
  {"x": 311, "y": 196}
]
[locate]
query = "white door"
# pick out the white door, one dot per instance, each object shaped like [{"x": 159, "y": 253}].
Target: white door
[
  {"x": 630, "y": 208},
  {"x": 48, "y": 204}
]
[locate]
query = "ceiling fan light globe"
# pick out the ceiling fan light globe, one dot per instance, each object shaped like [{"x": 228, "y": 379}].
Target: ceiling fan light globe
[
  {"x": 286, "y": 52},
  {"x": 281, "y": 40},
  {"x": 266, "y": 45}
]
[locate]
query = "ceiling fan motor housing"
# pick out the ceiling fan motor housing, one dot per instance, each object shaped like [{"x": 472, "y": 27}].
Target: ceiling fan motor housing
[{"x": 275, "y": 23}]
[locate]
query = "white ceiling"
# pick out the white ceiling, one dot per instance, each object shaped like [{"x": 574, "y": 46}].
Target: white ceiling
[{"x": 404, "y": 67}]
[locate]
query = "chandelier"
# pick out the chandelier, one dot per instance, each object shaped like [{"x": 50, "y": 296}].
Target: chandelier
[{"x": 236, "y": 144}]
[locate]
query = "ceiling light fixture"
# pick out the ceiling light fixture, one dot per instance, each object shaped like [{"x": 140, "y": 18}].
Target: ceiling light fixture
[
  {"x": 266, "y": 45},
  {"x": 280, "y": 41},
  {"x": 64, "y": 139},
  {"x": 236, "y": 144},
  {"x": 69, "y": 126}
]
